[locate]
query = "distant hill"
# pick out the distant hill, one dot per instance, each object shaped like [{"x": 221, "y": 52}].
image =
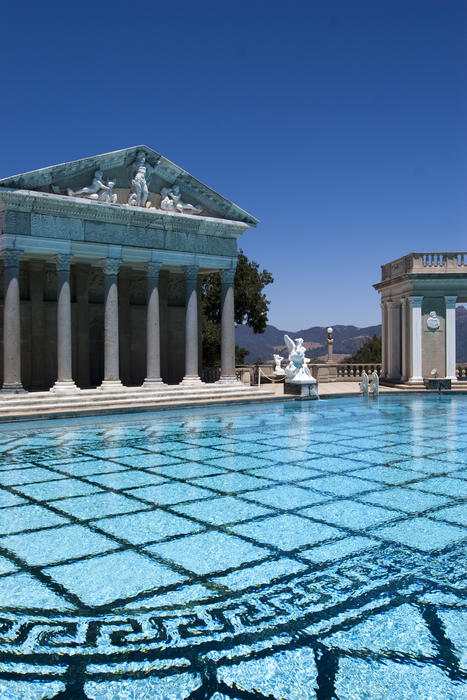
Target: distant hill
[{"x": 347, "y": 339}]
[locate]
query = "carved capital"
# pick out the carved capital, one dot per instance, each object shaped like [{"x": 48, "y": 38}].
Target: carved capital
[
  {"x": 450, "y": 302},
  {"x": 191, "y": 273},
  {"x": 11, "y": 258},
  {"x": 152, "y": 269},
  {"x": 63, "y": 262},
  {"x": 228, "y": 276},
  {"x": 111, "y": 266},
  {"x": 416, "y": 302}
]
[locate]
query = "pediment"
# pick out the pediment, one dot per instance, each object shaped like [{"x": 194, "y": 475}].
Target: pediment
[{"x": 136, "y": 176}]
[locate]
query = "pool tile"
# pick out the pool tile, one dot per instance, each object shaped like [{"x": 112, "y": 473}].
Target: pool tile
[
  {"x": 113, "y": 576},
  {"x": 286, "y": 532},
  {"x": 146, "y": 526},
  {"x": 61, "y": 488},
  {"x": 189, "y": 470},
  {"x": 6, "y": 566},
  {"x": 91, "y": 466},
  {"x": 27, "y": 517},
  {"x": 26, "y": 476},
  {"x": 339, "y": 485},
  {"x": 422, "y": 533},
  {"x": 453, "y": 514},
  {"x": 237, "y": 462},
  {"x": 209, "y": 552},
  {"x": 57, "y": 544},
  {"x": 282, "y": 472},
  {"x": 337, "y": 550},
  {"x": 224, "y": 509},
  {"x": 24, "y": 591},
  {"x": 9, "y": 499},
  {"x": 170, "y": 493},
  {"x": 407, "y": 500},
  {"x": 131, "y": 478},
  {"x": 148, "y": 460},
  {"x": 444, "y": 485},
  {"x": 232, "y": 482},
  {"x": 387, "y": 475},
  {"x": 286, "y": 497},
  {"x": 260, "y": 574},
  {"x": 351, "y": 514},
  {"x": 97, "y": 505}
]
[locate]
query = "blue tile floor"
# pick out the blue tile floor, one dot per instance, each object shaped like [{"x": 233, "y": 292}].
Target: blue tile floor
[{"x": 288, "y": 551}]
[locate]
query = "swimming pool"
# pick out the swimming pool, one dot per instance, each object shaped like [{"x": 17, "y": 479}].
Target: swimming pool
[{"x": 299, "y": 550}]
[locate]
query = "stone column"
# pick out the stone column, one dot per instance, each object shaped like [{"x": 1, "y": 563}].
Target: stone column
[
  {"x": 404, "y": 358},
  {"x": 153, "y": 344},
  {"x": 394, "y": 340},
  {"x": 451, "y": 338},
  {"x": 227, "y": 328},
  {"x": 191, "y": 327},
  {"x": 11, "y": 323},
  {"x": 415, "y": 333},
  {"x": 384, "y": 340},
  {"x": 64, "y": 373},
  {"x": 36, "y": 285},
  {"x": 111, "y": 357},
  {"x": 82, "y": 300},
  {"x": 124, "y": 325}
]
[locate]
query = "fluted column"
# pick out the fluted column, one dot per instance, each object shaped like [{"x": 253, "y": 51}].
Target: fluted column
[
  {"x": 227, "y": 328},
  {"x": 394, "y": 340},
  {"x": 36, "y": 287},
  {"x": 191, "y": 327},
  {"x": 153, "y": 344},
  {"x": 404, "y": 357},
  {"x": 11, "y": 323},
  {"x": 64, "y": 372},
  {"x": 451, "y": 338},
  {"x": 384, "y": 340},
  {"x": 111, "y": 356},
  {"x": 415, "y": 332},
  {"x": 82, "y": 300}
]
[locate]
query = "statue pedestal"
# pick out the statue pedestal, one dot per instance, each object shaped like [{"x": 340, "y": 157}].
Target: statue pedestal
[
  {"x": 437, "y": 384},
  {"x": 306, "y": 389}
]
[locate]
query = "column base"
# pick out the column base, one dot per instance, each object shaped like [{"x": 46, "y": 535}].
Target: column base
[
  {"x": 191, "y": 380},
  {"x": 110, "y": 384},
  {"x": 228, "y": 379},
  {"x": 13, "y": 389},
  {"x": 64, "y": 386},
  {"x": 415, "y": 380},
  {"x": 153, "y": 383}
]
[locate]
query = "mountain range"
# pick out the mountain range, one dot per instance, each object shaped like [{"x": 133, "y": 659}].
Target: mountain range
[{"x": 347, "y": 339}]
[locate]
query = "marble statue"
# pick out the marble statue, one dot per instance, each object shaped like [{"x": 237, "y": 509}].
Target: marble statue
[
  {"x": 278, "y": 369},
  {"x": 297, "y": 370},
  {"x": 140, "y": 177},
  {"x": 432, "y": 322},
  {"x": 95, "y": 189},
  {"x": 107, "y": 195},
  {"x": 171, "y": 201},
  {"x": 374, "y": 384},
  {"x": 364, "y": 384}
]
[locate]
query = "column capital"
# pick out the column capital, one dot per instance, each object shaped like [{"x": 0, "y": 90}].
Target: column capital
[
  {"x": 191, "y": 272},
  {"x": 11, "y": 257},
  {"x": 403, "y": 301},
  {"x": 415, "y": 302},
  {"x": 392, "y": 304},
  {"x": 111, "y": 266},
  {"x": 152, "y": 269},
  {"x": 63, "y": 262},
  {"x": 228, "y": 275},
  {"x": 450, "y": 302}
]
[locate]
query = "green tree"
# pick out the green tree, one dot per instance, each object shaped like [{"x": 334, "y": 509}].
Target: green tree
[
  {"x": 251, "y": 307},
  {"x": 369, "y": 352}
]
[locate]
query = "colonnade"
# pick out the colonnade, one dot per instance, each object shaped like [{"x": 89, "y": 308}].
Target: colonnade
[
  {"x": 402, "y": 339},
  {"x": 111, "y": 266}
]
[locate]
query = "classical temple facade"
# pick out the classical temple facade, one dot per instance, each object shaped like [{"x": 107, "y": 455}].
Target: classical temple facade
[
  {"x": 419, "y": 293},
  {"x": 102, "y": 262}
]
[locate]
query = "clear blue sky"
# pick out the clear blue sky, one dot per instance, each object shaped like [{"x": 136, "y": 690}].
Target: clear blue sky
[{"x": 340, "y": 124}]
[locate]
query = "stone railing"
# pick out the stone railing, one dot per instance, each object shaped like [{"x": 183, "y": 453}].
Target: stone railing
[
  {"x": 425, "y": 262},
  {"x": 244, "y": 373},
  {"x": 352, "y": 372},
  {"x": 461, "y": 370}
]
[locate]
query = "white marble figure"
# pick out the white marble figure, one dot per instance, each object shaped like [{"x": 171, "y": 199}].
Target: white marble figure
[
  {"x": 93, "y": 190},
  {"x": 171, "y": 201},
  {"x": 364, "y": 384},
  {"x": 374, "y": 384},
  {"x": 140, "y": 177},
  {"x": 278, "y": 369},
  {"x": 107, "y": 195},
  {"x": 297, "y": 371},
  {"x": 432, "y": 322}
]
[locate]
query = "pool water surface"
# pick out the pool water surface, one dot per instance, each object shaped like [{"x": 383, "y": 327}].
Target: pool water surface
[{"x": 299, "y": 550}]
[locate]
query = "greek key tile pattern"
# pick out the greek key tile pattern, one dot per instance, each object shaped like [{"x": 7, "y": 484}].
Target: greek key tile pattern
[{"x": 306, "y": 550}]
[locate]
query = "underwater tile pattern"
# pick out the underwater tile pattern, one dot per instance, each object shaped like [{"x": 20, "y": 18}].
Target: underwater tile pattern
[{"x": 298, "y": 550}]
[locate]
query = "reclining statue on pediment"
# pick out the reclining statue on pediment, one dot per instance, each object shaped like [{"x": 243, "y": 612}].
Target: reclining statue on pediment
[
  {"x": 171, "y": 200},
  {"x": 96, "y": 190}
]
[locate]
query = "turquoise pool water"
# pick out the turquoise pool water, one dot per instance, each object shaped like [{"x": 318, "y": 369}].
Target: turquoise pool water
[{"x": 305, "y": 550}]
